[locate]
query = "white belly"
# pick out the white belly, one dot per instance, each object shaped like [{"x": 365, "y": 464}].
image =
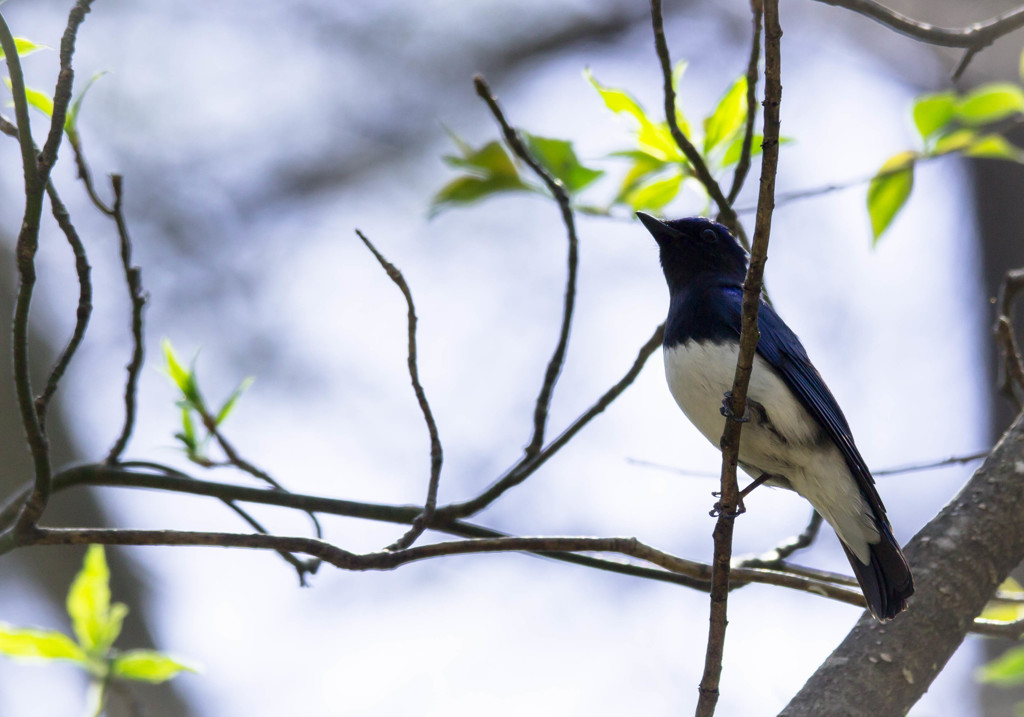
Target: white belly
[{"x": 698, "y": 377}]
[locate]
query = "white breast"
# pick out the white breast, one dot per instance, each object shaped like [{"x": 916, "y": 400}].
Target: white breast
[{"x": 698, "y": 376}]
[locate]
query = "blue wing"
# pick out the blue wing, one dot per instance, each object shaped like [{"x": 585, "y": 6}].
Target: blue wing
[{"x": 781, "y": 348}]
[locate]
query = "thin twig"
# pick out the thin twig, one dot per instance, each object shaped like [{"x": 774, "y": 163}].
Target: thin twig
[
  {"x": 1011, "y": 368},
  {"x": 60, "y": 213},
  {"x": 743, "y": 166},
  {"x": 523, "y": 469},
  {"x": 561, "y": 196},
  {"x": 133, "y": 278},
  {"x": 976, "y": 36},
  {"x": 36, "y": 169},
  {"x": 436, "y": 454},
  {"x": 774, "y": 557},
  {"x": 700, "y": 169},
  {"x": 944, "y": 463},
  {"x": 749, "y": 337}
]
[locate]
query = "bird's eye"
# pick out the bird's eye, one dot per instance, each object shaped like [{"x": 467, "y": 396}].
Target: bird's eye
[{"x": 708, "y": 236}]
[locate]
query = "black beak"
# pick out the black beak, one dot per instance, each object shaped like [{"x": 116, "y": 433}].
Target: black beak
[{"x": 658, "y": 229}]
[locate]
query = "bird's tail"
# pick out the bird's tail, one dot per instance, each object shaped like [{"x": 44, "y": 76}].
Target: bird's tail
[{"x": 885, "y": 579}]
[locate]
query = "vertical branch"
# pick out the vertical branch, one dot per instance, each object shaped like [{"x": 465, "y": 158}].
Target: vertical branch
[
  {"x": 749, "y": 337},
  {"x": 700, "y": 169},
  {"x": 436, "y": 454},
  {"x": 557, "y": 189},
  {"x": 133, "y": 277},
  {"x": 743, "y": 166},
  {"x": 60, "y": 213}
]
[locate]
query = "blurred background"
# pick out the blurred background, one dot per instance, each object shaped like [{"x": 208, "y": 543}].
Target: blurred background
[{"x": 254, "y": 137}]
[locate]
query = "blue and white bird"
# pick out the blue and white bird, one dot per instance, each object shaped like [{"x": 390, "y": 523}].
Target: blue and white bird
[{"x": 796, "y": 436}]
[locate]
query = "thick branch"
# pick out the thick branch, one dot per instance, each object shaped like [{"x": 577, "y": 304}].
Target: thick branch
[{"x": 959, "y": 559}]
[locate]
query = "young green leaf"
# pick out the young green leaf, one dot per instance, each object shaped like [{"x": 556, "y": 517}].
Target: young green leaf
[
  {"x": 933, "y": 112},
  {"x": 990, "y": 103},
  {"x": 40, "y": 100},
  {"x": 558, "y": 157},
  {"x": 24, "y": 47},
  {"x": 994, "y": 146},
  {"x": 184, "y": 379},
  {"x": 653, "y": 137},
  {"x": 31, "y": 643},
  {"x": 1007, "y": 669},
  {"x": 889, "y": 190},
  {"x": 489, "y": 160},
  {"x": 655, "y": 195},
  {"x": 643, "y": 167},
  {"x": 147, "y": 666},
  {"x": 71, "y": 122},
  {"x": 468, "y": 189},
  {"x": 226, "y": 409},
  {"x": 88, "y": 600},
  {"x": 728, "y": 117},
  {"x": 735, "y": 149},
  {"x": 955, "y": 141}
]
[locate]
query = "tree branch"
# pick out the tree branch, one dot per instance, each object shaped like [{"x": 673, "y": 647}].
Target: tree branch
[
  {"x": 561, "y": 196},
  {"x": 436, "y": 454},
  {"x": 743, "y": 166},
  {"x": 700, "y": 169},
  {"x": 749, "y": 337}
]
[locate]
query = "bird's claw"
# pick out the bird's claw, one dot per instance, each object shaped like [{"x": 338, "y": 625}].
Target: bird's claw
[
  {"x": 726, "y": 409},
  {"x": 716, "y": 509}
]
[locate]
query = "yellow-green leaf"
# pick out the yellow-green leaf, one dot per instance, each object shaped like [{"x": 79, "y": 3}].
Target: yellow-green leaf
[
  {"x": 728, "y": 117},
  {"x": 558, "y": 157},
  {"x": 955, "y": 141},
  {"x": 147, "y": 666},
  {"x": 88, "y": 601},
  {"x": 889, "y": 190},
  {"x": 653, "y": 137},
  {"x": 990, "y": 103},
  {"x": 933, "y": 112},
  {"x": 30, "y": 643},
  {"x": 656, "y": 194},
  {"x": 994, "y": 146},
  {"x": 24, "y": 47}
]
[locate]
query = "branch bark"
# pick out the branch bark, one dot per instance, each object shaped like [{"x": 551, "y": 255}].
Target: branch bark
[{"x": 959, "y": 559}]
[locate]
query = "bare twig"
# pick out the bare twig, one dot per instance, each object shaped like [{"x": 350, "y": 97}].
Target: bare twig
[
  {"x": 749, "y": 337},
  {"x": 743, "y": 166},
  {"x": 36, "y": 169},
  {"x": 133, "y": 277},
  {"x": 945, "y": 462},
  {"x": 436, "y": 454},
  {"x": 557, "y": 189},
  {"x": 973, "y": 38},
  {"x": 525, "y": 468},
  {"x": 774, "y": 557},
  {"x": 60, "y": 213},
  {"x": 700, "y": 169}
]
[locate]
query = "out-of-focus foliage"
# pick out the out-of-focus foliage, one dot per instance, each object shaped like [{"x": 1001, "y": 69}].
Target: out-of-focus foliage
[
  {"x": 656, "y": 170},
  {"x": 970, "y": 124},
  {"x": 96, "y": 623}
]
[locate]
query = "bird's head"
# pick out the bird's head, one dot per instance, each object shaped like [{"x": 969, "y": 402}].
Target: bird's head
[{"x": 696, "y": 247}]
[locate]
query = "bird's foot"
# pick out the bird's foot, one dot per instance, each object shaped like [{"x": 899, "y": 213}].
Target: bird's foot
[
  {"x": 726, "y": 409},
  {"x": 718, "y": 509}
]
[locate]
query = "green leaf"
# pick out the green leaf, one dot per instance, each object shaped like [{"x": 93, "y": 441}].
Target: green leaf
[
  {"x": 655, "y": 195},
  {"x": 644, "y": 165},
  {"x": 188, "y": 430},
  {"x": 491, "y": 159},
  {"x": 728, "y": 117},
  {"x": 147, "y": 666},
  {"x": 889, "y": 190},
  {"x": 933, "y": 112},
  {"x": 732, "y": 154},
  {"x": 468, "y": 189},
  {"x": 40, "y": 100},
  {"x": 653, "y": 137},
  {"x": 994, "y": 146},
  {"x": 88, "y": 601},
  {"x": 24, "y": 47},
  {"x": 225, "y": 410},
  {"x": 558, "y": 157},
  {"x": 184, "y": 379},
  {"x": 71, "y": 122},
  {"x": 1007, "y": 669},
  {"x": 990, "y": 103},
  {"x": 30, "y": 643},
  {"x": 955, "y": 141}
]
